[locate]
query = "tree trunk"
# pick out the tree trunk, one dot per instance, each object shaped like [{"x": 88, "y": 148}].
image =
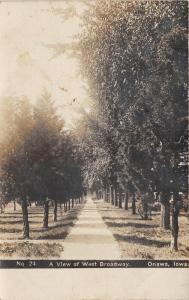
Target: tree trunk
[
  {"x": 26, "y": 229},
  {"x": 174, "y": 229},
  {"x": 133, "y": 204},
  {"x": 126, "y": 200},
  {"x": 72, "y": 202},
  {"x": 105, "y": 198},
  {"x": 65, "y": 206},
  {"x": 46, "y": 215},
  {"x": 69, "y": 204},
  {"x": 61, "y": 209},
  {"x": 120, "y": 198},
  {"x": 145, "y": 208},
  {"x": 116, "y": 200},
  {"x": 55, "y": 211},
  {"x": 112, "y": 195},
  {"x": 108, "y": 195},
  {"x": 14, "y": 205},
  {"x": 174, "y": 225},
  {"x": 165, "y": 215},
  {"x": 103, "y": 194},
  {"x": 165, "y": 210}
]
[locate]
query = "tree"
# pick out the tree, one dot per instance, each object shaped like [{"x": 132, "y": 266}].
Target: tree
[
  {"x": 68, "y": 166},
  {"x": 17, "y": 175},
  {"x": 39, "y": 161},
  {"x": 44, "y": 141},
  {"x": 134, "y": 58}
]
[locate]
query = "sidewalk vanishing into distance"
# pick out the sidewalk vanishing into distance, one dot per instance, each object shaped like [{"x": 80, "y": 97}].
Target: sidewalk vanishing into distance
[{"x": 90, "y": 238}]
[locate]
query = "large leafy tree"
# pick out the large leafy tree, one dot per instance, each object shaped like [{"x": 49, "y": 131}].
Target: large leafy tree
[
  {"x": 16, "y": 173},
  {"x": 44, "y": 141},
  {"x": 134, "y": 57},
  {"x": 39, "y": 161}
]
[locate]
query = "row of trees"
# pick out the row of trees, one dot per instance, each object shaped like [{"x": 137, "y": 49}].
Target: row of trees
[
  {"x": 134, "y": 56},
  {"x": 39, "y": 161}
]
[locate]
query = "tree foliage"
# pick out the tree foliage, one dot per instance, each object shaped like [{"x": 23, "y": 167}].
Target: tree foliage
[
  {"x": 134, "y": 56},
  {"x": 39, "y": 160}
]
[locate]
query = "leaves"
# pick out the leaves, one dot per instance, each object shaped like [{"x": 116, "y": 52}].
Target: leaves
[
  {"x": 40, "y": 160},
  {"x": 133, "y": 55}
]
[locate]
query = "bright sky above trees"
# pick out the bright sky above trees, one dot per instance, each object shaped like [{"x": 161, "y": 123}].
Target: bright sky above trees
[{"x": 28, "y": 67}]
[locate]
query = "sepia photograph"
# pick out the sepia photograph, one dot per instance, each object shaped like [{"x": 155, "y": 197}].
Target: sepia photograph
[{"x": 94, "y": 133}]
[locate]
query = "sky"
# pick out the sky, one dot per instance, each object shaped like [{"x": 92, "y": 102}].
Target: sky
[{"x": 27, "y": 65}]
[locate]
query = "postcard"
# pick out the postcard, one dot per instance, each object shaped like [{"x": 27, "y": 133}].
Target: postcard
[{"x": 94, "y": 150}]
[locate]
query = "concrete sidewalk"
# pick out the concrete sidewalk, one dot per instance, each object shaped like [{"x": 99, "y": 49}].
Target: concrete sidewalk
[{"x": 90, "y": 238}]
